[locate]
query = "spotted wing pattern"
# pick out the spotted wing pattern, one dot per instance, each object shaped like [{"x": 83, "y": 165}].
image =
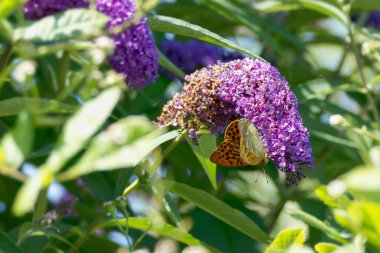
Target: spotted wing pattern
[
  {"x": 241, "y": 146},
  {"x": 232, "y": 132},
  {"x": 228, "y": 155}
]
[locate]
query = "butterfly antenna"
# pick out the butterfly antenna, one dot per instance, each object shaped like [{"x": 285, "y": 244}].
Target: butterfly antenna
[
  {"x": 258, "y": 174},
  {"x": 266, "y": 175}
]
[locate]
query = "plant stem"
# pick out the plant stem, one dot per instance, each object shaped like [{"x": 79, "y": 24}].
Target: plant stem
[
  {"x": 89, "y": 230},
  {"x": 64, "y": 67},
  {"x": 12, "y": 173},
  {"x": 174, "y": 144},
  {"x": 5, "y": 57},
  {"x": 131, "y": 187},
  {"x": 362, "y": 76}
]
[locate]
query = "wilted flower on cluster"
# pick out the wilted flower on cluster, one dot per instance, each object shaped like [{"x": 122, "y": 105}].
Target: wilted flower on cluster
[
  {"x": 194, "y": 54},
  {"x": 135, "y": 53},
  {"x": 214, "y": 96}
]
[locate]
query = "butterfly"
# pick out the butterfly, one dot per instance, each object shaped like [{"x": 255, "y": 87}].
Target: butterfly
[{"x": 241, "y": 146}]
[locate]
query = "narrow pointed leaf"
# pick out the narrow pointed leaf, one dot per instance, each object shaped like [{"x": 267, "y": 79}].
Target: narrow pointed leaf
[
  {"x": 218, "y": 209},
  {"x": 206, "y": 145},
  {"x": 180, "y": 27}
]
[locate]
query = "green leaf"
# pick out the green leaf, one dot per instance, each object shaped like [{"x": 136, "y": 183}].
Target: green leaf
[
  {"x": 318, "y": 6},
  {"x": 206, "y": 145},
  {"x": 180, "y": 27},
  {"x": 325, "y": 247},
  {"x": 7, "y": 6},
  {"x": 250, "y": 18},
  {"x": 320, "y": 88},
  {"x": 6, "y": 245},
  {"x": 218, "y": 209},
  {"x": 124, "y": 144},
  {"x": 6, "y": 30},
  {"x": 80, "y": 127},
  {"x": 132, "y": 154},
  {"x": 333, "y": 139},
  {"x": 341, "y": 201},
  {"x": 364, "y": 219},
  {"x": 364, "y": 182},
  {"x": 358, "y": 245},
  {"x": 27, "y": 196},
  {"x": 160, "y": 228},
  {"x": 70, "y": 24},
  {"x": 318, "y": 224},
  {"x": 14, "y": 106},
  {"x": 286, "y": 239},
  {"x": 17, "y": 144}
]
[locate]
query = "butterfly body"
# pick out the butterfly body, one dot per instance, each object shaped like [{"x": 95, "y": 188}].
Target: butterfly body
[{"x": 242, "y": 146}]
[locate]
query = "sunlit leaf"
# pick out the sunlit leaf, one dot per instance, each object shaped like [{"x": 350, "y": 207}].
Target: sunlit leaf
[
  {"x": 70, "y": 24},
  {"x": 318, "y": 224},
  {"x": 14, "y": 106},
  {"x": 132, "y": 154},
  {"x": 7, "y": 6},
  {"x": 364, "y": 182},
  {"x": 335, "y": 202},
  {"x": 325, "y": 247},
  {"x": 218, "y": 209},
  {"x": 17, "y": 143},
  {"x": 364, "y": 219},
  {"x": 27, "y": 196},
  {"x": 124, "y": 144},
  {"x": 286, "y": 239},
  {"x": 82, "y": 126}
]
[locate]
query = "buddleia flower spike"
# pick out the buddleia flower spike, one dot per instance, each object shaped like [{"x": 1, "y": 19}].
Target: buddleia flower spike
[
  {"x": 251, "y": 90},
  {"x": 135, "y": 55}
]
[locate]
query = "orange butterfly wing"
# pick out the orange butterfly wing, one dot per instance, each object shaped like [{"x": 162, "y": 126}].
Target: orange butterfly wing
[
  {"x": 227, "y": 155},
  {"x": 232, "y": 132},
  {"x": 228, "y": 152}
]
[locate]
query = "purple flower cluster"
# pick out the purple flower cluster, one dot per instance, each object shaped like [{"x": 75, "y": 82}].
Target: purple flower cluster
[
  {"x": 135, "y": 53},
  {"x": 194, "y": 54},
  {"x": 214, "y": 96}
]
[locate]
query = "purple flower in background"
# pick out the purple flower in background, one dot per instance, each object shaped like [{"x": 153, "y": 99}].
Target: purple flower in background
[
  {"x": 135, "y": 53},
  {"x": 37, "y": 9},
  {"x": 65, "y": 208},
  {"x": 194, "y": 54},
  {"x": 214, "y": 96},
  {"x": 373, "y": 19}
]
